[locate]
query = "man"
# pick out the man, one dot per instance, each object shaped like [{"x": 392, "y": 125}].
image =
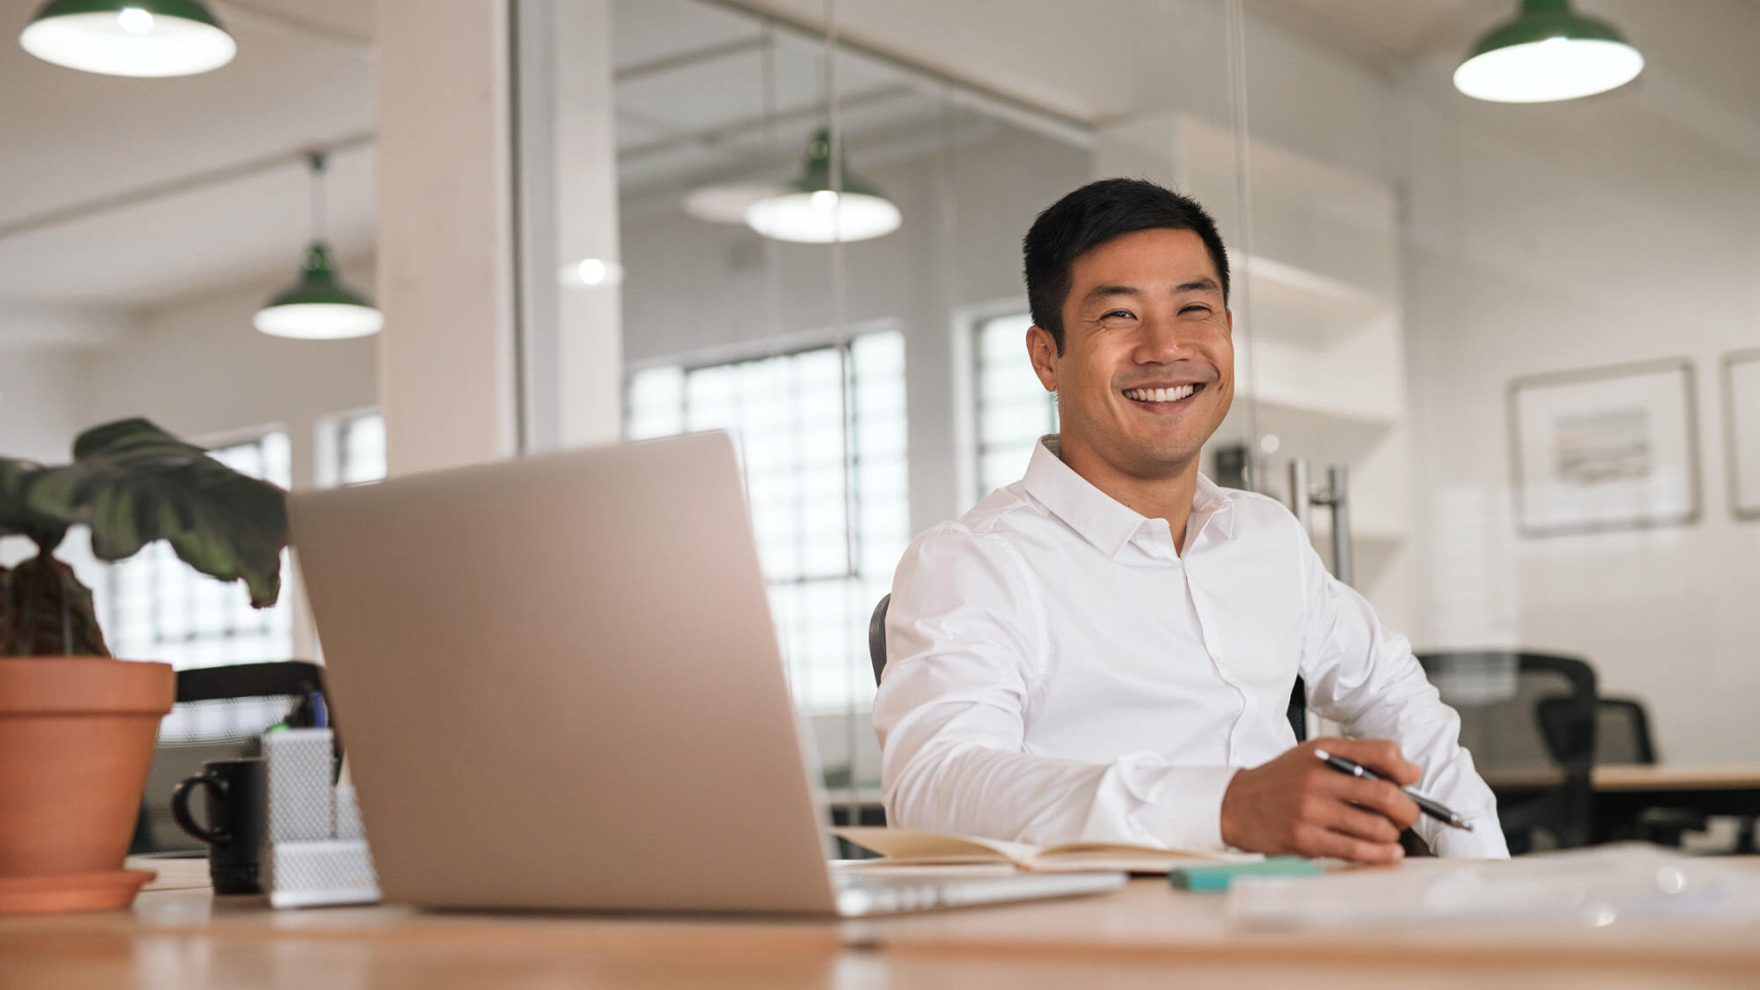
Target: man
[{"x": 1104, "y": 650}]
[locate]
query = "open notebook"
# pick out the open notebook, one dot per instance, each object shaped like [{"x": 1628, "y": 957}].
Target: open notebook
[{"x": 907, "y": 847}]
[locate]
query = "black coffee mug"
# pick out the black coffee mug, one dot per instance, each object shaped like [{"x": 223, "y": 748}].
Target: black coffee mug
[{"x": 235, "y": 807}]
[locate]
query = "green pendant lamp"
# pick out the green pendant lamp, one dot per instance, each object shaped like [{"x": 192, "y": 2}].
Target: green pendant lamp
[
  {"x": 811, "y": 210},
  {"x": 318, "y": 307},
  {"x": 1548, "y": 53},
  {"x": 129, "y": 37}
]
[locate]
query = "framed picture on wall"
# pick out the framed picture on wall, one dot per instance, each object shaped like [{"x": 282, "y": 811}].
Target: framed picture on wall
[
  {"x": 1605, "y": 448},
  {"x": 1741, "y": 411}
]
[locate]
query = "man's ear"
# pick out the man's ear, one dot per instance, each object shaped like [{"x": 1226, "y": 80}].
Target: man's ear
[{"x": 1042, "y": 351}]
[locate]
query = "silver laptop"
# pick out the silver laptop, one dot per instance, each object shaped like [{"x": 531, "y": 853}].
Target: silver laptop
[{"x": 559, "y": 688}]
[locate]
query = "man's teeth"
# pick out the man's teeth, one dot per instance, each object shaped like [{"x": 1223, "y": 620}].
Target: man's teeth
[{"x": 1160, "y": 394}]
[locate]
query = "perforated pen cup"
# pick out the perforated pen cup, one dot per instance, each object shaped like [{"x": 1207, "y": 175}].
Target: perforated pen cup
[
  {"x": 315, "y": 853},
  {"x": 302, "y": 784}
]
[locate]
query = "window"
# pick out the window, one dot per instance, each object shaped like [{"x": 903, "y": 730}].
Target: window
[
  {"x": 357, "y": 449},
  {"x": 163, "y": 609},
  {"x": 825, "y": 574},
  {"x": 1014, "y": 410}
]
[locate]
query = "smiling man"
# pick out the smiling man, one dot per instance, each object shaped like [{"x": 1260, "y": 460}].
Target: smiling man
[{"x": 1104, "y": 650}]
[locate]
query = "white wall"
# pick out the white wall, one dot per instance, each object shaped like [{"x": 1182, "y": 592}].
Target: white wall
[
  {"x": 40, "y": 392},
  {"x": 1529, "y": 257},
  {"x": 200, "y": 370}
]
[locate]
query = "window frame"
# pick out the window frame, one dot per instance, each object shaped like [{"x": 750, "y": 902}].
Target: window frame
[
  {"x": 853, "y": 576},
  {"x": 973, "y": 320}
]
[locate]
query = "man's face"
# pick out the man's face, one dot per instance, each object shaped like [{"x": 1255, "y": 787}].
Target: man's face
[{"x": 1147, "y": 370}]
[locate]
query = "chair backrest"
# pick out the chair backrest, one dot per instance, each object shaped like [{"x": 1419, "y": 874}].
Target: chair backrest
[
  {"x": 877, "y": 638},
  {"x": 1622, "y": 730},
  {"x": 1525, "y": 712},
  {"x": 220, "y": 714}
]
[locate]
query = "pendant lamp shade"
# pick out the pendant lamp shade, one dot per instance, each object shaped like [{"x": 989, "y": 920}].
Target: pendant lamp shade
[
  {"x": 318, "y": 307},
  {"x": 129, "y": 37},
  {"x": 811, "y": 210},
  {"x": 1548, "y": 53}
]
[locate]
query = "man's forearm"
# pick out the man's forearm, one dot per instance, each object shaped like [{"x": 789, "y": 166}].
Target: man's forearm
[{"x": 975, "y": 790}]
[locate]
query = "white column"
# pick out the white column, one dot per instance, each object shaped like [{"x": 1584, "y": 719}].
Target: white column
[
  {"x": 445, "y": 219},
  {"x": 572, "y": 329}
]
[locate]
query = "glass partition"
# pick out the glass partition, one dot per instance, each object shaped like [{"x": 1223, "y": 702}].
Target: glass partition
[
  {"x": 874, "y": 378},
  {"x": 1445, "y": 309}
]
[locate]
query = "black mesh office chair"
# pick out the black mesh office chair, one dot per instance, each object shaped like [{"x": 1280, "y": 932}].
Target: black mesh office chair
[
  {"x": 1500, "y": 695},
  {"x": 1622, "y": 732},
  {"x": 220, "y": 714},
  {"x": 1622, "y": 738}
]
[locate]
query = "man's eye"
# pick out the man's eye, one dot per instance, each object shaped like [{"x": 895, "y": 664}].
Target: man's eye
[
  {"x": 1123, "y": 313},
  {"x": 1195, "y": 309}
]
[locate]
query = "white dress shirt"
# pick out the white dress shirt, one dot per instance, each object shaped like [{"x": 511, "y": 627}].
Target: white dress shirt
[{"x": 1056, "y": 672}]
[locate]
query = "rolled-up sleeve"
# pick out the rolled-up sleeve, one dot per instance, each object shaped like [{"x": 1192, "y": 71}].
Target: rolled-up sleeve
[
  {"x": 965, "y": 649},
  {"x": 1364, "y": 676}
]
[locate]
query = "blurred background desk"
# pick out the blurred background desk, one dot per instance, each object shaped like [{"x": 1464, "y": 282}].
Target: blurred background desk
[
  {"x": 180, "y": 936},
  {"x": 1622, "y": 793}
]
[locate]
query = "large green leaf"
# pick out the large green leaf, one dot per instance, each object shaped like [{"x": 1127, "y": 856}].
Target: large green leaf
[
  {"x": 132, "y": 483},
  {"x": 17, "y": 518}
]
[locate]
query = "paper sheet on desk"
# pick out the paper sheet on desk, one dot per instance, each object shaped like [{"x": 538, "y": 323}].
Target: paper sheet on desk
[{"x": 1588, "y": 887}]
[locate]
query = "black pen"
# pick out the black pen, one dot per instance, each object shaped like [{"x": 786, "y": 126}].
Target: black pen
[{"x": 1428, "y": 805}]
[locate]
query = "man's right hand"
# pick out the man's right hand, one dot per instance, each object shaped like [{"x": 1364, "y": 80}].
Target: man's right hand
[{"x": 1296, "y": 804}]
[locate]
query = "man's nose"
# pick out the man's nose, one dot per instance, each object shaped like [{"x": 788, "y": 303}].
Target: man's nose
[{"x": 1162, "y": 341}]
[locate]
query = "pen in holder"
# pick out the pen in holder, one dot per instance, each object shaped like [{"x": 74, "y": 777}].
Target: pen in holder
[{"x": 315, "y": 852}]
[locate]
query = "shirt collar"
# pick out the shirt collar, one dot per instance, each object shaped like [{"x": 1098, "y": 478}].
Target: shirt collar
[{"x": 1103, "y": 520}]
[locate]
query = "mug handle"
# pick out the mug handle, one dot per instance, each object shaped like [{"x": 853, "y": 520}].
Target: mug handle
[{"x": 180, "y": 808}]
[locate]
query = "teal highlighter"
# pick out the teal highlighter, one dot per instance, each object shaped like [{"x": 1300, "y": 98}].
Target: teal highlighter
[{"x": 1214, "y": 878}]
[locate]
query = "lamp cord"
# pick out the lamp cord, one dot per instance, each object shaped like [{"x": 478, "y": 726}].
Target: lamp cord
[{"x": 316, "y": 159}]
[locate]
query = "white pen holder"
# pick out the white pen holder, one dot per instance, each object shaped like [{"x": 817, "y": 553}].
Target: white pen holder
[{"x": 315, "y": 852}]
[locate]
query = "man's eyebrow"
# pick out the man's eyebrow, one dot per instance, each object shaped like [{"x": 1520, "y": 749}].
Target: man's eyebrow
[
  {"x": 1098, "y": 292},
  {"x": 1103, "y": 291}
]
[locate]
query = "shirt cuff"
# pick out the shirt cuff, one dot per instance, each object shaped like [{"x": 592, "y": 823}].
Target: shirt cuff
[{"x": 1174, "y": 807}]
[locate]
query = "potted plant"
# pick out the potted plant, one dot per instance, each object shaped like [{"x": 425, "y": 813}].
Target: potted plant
[{"x": 77, "y": 728}]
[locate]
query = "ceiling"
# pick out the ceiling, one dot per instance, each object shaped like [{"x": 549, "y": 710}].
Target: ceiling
[
  {"x": 705, "y": 93},
  {"x": 124, "y": 195},
  {"x": 129, "y": 192}
]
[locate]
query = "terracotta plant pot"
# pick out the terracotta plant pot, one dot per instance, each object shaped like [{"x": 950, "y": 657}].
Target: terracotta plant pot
[{"x": 76, "y": 740}]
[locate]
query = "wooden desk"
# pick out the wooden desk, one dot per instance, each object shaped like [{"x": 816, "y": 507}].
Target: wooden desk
[
  {"x": 1633, "y": 778},
  {"x": 180, "y": 936},
  {"x": 1622, "y": 793}
]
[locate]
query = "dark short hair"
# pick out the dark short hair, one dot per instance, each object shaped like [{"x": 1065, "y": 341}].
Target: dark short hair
[{"x": 1089, "y": 217}]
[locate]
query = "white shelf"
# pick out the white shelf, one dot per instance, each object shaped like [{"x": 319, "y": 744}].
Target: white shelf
[
  {"x": 1303, "y": 307},
  {"x": 1320, "y": 433}
]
